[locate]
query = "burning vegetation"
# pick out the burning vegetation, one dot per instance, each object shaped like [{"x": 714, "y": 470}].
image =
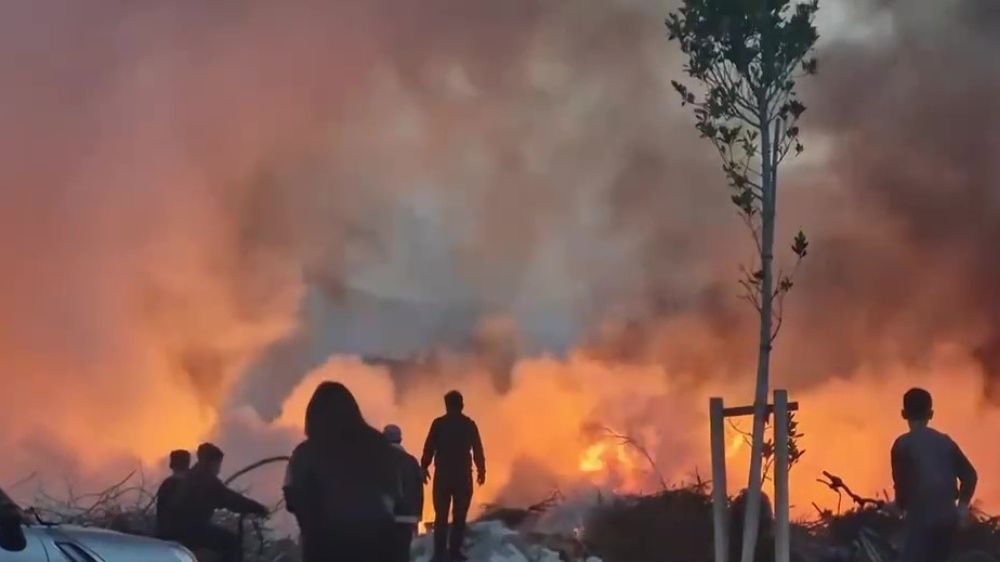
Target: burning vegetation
[
  {"x": 671, "y": 524},
  {"x": 196, "y": 241}
]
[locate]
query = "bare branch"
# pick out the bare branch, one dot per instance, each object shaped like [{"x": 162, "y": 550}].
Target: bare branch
[
  {"x": 721, "y": 78},
  {"x": 779, "y": 318},
  {"x": 632, "y": 442},
  {"x": 23, "y": 480},
  {"x": 254, "y": 466},
  {"x": 754, "y": 232},
  {"x": 779, "y": 297},
  {"x": 750, "y": 294}
]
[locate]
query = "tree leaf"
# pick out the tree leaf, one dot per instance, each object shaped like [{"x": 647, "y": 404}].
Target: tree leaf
[
  {"x": 743, "y": 199},
  {"x": 785, "y": 285},
  {"x": 800, "y": 245},
  {"x": 796, "y": 108}
]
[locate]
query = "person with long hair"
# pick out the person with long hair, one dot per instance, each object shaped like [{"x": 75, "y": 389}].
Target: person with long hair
[{"x": 342, "y": 483}]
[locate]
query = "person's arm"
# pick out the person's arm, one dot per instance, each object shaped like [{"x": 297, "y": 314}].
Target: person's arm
[
  {"x": 900, "y": 476},
  {"x": 478, "y": 455},
  {"x": 430, "y": 447},
  {"x": 236, "y": 502},
  {"x": 967, "y": 476},
  {"x": 419, "y": 492}
]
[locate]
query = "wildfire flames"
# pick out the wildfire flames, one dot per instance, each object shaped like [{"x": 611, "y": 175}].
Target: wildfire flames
[
  {"x": 561, "y": 425},
  {"x": 596, "y": 457},
  {"x": 209, "y": 207}
]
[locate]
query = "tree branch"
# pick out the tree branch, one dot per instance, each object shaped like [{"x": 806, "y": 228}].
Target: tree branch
[
  {"x": 779, "y": 297},
  {"x": 754, "y": 232},
  {"x": 724, "y": 81},
  {"x": 632, "y": 442}
]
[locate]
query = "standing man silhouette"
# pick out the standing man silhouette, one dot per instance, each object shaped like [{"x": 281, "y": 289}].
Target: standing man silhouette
[{"x": 453, "y": 443}]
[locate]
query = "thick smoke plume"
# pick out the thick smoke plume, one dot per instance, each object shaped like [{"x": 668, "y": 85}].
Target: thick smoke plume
[
  {"x": 915, "y": 132},
  {"x": 209, "y": 206}
]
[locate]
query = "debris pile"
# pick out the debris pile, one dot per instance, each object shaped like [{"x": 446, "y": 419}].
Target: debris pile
[
  {"x": 672, "y": 525},
  {"x": 493, "y": 541}
]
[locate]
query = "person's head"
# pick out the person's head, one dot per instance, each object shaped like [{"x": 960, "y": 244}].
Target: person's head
[
  {"x": 918, "y": 406},
  {"x": 453, "y": 402},
  {"x": 210, "y": 458},
  {"x": 333, "y": 413},
  {"x": 335, "y": 425},
  {"x": 737, "y": 514},
  {"x": 180, "y": 460},
  {"x": 393, "y": 434}
]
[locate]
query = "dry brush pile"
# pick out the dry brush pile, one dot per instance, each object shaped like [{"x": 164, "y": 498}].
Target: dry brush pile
[{"x": 673, "y": 525}]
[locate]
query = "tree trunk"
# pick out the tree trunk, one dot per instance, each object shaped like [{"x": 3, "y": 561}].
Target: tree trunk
[{"x": 769, "y": 195}]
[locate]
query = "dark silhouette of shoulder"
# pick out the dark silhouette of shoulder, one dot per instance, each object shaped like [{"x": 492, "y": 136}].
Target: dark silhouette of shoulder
[
  {"x": 453, "y": 443},
  {"x": 412, "y": 481},
  {"x": 200, "y": 493},
  {"x": 926, "y": 464},
  {"x": 166, "y": 521}
]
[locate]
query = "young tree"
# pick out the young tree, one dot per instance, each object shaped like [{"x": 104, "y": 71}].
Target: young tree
[{"x": 746, "y": 56}]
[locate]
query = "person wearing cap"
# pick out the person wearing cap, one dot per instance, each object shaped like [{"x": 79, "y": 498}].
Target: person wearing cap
[
  {"x": 409, "y": 510},
  {"x": 929, "y": 472},
  {"x": 453, "y": 445},
  {"x": 199, "y": 494},
  {"x": 180, "y": 463}
]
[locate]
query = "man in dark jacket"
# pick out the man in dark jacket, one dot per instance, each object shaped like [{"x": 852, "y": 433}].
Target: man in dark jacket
[
  {"x": 199, "y": 493},
  {"x": 451, "y": 439},
  {"x": 927, "y": 468},
  {"x": 409, "y": 510},
  {"x": 180, "y": 463}
]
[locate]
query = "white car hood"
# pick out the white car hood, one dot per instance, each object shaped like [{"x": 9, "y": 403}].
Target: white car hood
[{"x": 112, "y": 546}]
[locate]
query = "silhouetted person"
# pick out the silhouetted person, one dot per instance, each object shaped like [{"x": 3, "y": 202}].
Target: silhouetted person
[
  {"x": 452, "y": 444},
  {"x": 180, "y": 463},
  {"x": 409, "y": 510},
  {"x": 342, "y": 484},
  {"x": 12, "y": 538},
  {"x": 199, "y": 493},
  {"x": 765, "y": 530},
  {"x": 927, "y": 467}
]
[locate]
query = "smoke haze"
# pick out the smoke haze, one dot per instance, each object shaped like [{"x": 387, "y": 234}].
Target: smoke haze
[{"x": 208, "y": 207}]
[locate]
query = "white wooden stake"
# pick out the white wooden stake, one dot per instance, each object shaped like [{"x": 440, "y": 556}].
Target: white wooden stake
[
  {"x": 720, "y": 508},
  {"x": 782, "y": 547}
]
